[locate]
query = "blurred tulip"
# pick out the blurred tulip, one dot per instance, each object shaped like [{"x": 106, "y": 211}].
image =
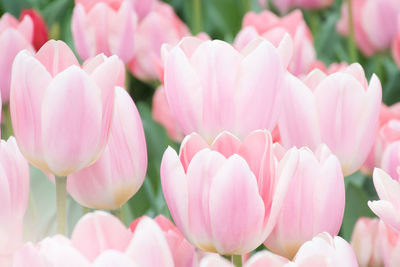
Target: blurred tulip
[
  {"x": 143, "y": 7},
  {"x": 225, "y": 197},
  {"x": 366, "y": 242},
  {"x": 119, "y": 173},
  {"x": 340, "y": 110},
  {"x": 396, "y": 44},
  {"x": 285, "y": 5},
  {"x": 374, "y": 26},
  {"x": 14, "y": 37},
  {"x": 163, "y": 115},
  {"x": 104, "y": 26},
  {"x": 14, "y": 191},
  {"x": 40, "y": 35},
  {"x": 388, "y": 207},
  {"x": 184, "y": 254},
  {"x": 212, "y": 87},
  {"x": 389, "y": 246},
  {"x": 325, "y": 250},
  {"x": 61, "y": 114},
  {"x": 388, "y": 132},
  {"x": 314, "y": 202},
  {"x": 273, "y": 28},
  {"x": 160, "y": 26},
  {"x": 391, "y": 159},
  {"x": 50, "y": 252},
  {"x": 98, "y": 232}
]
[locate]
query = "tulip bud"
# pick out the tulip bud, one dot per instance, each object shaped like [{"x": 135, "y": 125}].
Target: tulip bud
[{"x": 40, "y": 35}]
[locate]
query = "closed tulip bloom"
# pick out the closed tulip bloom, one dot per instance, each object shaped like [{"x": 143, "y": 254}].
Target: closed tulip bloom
[
  {"x": 14, "y": 37},
  {"x": 162, "y": 114},
  {"x": 14, "y": 191},
  {"x": 183, "y": 253},
  {"x": 340, "y": 110},
  {"x": 225, "y": 197},
  {"x": 160, "y": 26},
  {"x": 389, "y": 246},
  {"x": 104, "y": 27},
  {"x": 61, "y": 113},
  {"x": 119, "y": 173},
  {"x": 211, "y": 87},
  {"x": 390, "y": 162},
  {"x": 374, "y": 23},
  {"x": 285, "y": 5},
  {"x": 40, "y": 35},
  {"x": 273, "y": 28},
  {"x": 53, "y": 251},
  {"x": 366, "y": 242},
  {"x": 396, "y": 44},
  {"x": 388, "y": 206},
  {"x": 314, "y": 202}
]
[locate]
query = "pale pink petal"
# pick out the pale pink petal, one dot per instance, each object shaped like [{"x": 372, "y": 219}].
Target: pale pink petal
[
  {"x": 226, "y": 143},
  {"x": 190, "y": 145}
]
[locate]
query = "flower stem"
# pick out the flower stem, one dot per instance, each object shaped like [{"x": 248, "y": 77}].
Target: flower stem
[
  {"x": 352, "y": 44},
  {"x": 61, "y": 195},
  {"x": 119, "y": 214},
  {"x": 196, "y": 16},
  {"x": 247, "y": 5},
  {"x": 237, "y": 260}
]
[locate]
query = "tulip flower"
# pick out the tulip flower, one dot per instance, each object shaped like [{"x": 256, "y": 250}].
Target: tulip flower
[
  {"x": 273, "y": 28},
  {"x": 314, "y": 202},
  {"x": 212, "y": 87},
  {"x": 104, "y": 27},
  {"x": 322, "y": 250},
  {"x": 391, "y": 160},
  {"x": 183, "y": 253},
  {"x": 163, "y": 115},
  {"x": 61, "y": 113},
  {"x": 40, "y": 35},
  {"x": 366, "y": 242},
  {"x": 388, "y": 207},
  {"x": 143, "y": 7},
  {"x": 118, "y": 174},
  {"x": 285, "y": 5},
  {"x": 14, "y": 191},
  {"x": 225, "y": 197},
  {"x": 396, "y": 44},
  {"x": 340, "y": 110},
  {"x": 14, "y": 37},
  {"x": 160, "y": 26},
  {"x": 374, "y": 23},
  {"x": 388, "y": 132},
  {"x": 389, "y": 246}
]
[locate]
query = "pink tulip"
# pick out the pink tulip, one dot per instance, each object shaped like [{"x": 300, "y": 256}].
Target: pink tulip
[
  {"x": 388, "y": 132},
  {"x": 143, "y": 7},
  {"x": 106, "y": 26},
  {"x": 119, "y": 173},
  {"x": 98, "y": 232},
  {"x": 163, "y": 115},
  {"x": 396, "y": 44},
  {"x": 391, "y": 159},
  {"x": 160, "y": 26},
  {"x": 325, "y": 250},
  {"x": 388, "y": 207},
  {"x": 322, "y": 251},
  {"x": 285, "y": 5},
  {"x": 14, "y": 37},
  {"x": 220, "y": 196},
  {"x": 50, "y": 252},
  {"x": 40, "y": 34},
  {"x": 273, "y": 28},
  {"x": 61, "y": 113},
  {"x": 340, "y": 110},
  {"x": 14, "y": 191},
  {"x": 374, "y": 25},
  {"x": 366, "y": 242},
  {"x": 183, "y": 253},
  {"x": 389, "y": 246},
  {"x": 314, "y": 202},
  {"x": 212, "y": 87}
]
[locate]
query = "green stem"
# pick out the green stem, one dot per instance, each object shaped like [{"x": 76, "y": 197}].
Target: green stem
[
  {"x": 119, "y": 214},
  {"x": 352, "y": 44},
  {"x": 197, "y": 16},
  {"x": 7, "y": 130},
  {"x": 237, "y": 260},
  {"x": 61, "y": 195},
  {"x": 247, "y": 5}
]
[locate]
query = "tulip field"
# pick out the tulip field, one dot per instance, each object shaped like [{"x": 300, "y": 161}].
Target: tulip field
[{"x": 200, "y": 133}]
